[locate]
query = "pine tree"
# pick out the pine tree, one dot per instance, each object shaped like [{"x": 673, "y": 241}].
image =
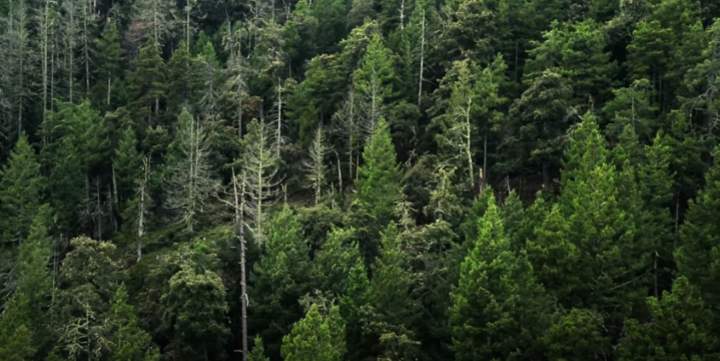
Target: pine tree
[
  {"x": 577, "y": 335},
  {"x": 538, "y": 121},
  {"x": 185, "y": 86},
  {"x": 680, "y": 328},
  {"x": 109, "y": 85},
  {"x": 24, "y": 328},
  {"x": 154, "y": 20},
  {"x": 147, "y": 84},
  {"x": 258, "y": 351},
  {"x": 320, "y": 336},
  {"x": 393, "y": 309},
  {"x": 698, "y": 249},
  {"x": 282, "y": 277},
  {"x": 17, "y": 64},
  {"x": 374, "y": 80},
  {"x": 21, "y": 191},
  {"x": 129, "y": 341},
  {"x": 497, "y": 296},
  {"x": 577, "y": 52},
  {"x": 379, "y": 189}
]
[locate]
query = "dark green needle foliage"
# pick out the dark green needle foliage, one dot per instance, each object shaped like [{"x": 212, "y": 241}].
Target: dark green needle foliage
[{"x": 359, "y": 180}]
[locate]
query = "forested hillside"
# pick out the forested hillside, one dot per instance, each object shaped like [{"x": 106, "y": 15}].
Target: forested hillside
[{"x": 326, "y": 180}]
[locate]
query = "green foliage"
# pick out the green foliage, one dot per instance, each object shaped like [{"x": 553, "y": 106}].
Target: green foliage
[
  {"x": 129, "y": 341},
  {"x": 393, "y": 311},
  {"x": 21, "y": 191},
  {"x": 577, "y": 52},
  {"x": 282, "y": 275},
  {"x": 577, "y": 335},
  {"x": 147, "y": 85},
  {"x": 680, "y": 328},
  {"x": 258, "y": 351},
  {"x": 374, "y": 79},
  {"x": 75, "y": 143},
  {"x": 698, "y": 252},
  {"x": 319, "y": 336},
  {"x": 378, "y": 189},
  {"x": 109, "y": 90},
  {"x": 535, "y": 134},
  {"x": 23, "y": 324},
  {"x": 196, "y": 311},
  {"x": 497, "y": 296}
]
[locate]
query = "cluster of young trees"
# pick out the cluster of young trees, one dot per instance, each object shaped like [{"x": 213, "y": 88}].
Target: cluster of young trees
[{"x": 359, "y": 180}]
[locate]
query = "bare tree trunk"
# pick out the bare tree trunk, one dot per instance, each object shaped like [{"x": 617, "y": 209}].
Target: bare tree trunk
[
  {"x": 339, "y": 171},
  {"x": 402, "y": 14},
  {"x": 351, "y": 135},
  {"x": 278, "y": 135},
  {"x": 109, "y": 85},
  {"x": 468, "y": 144},
  {"x": 86, "y": 48},
  {"x": 187, "y": 26},
  {"x": 98, "y": 209},
  {"x": 141, "y": 215},
  {"x": 485, "y": 174},
  {"x": 240, "y": 229},
  {"x": 422, "y": 58},
  {"x": 45, "y": 44}
]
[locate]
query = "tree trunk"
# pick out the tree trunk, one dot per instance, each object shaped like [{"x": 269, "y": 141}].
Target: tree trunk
[
  {"x": 422, "y": 58},
  {"x": 240, "y": 229}
]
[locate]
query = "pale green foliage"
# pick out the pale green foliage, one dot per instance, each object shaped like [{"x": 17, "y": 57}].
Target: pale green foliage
[
  {"x": 21, "y": 190},
  {"x": 373, "y": 80},
  {"x": 129, "y": 342},
  {"x": 320, "y": 336}
]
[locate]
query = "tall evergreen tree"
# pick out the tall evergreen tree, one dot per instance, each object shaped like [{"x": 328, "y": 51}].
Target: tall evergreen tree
[
  {"x": 699, "y": 249},
  {"x": 498, "y": 310},
  {"x": 21, "y": 191},
  {"x": 374, "y": 80},
  {"x": 319, "y": 336},
  {"x": 379, "y": 189},
  {"x": 680, "y": 328}
]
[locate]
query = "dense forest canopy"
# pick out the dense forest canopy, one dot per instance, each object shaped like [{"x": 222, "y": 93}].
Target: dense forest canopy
[{"x": 326, "y": 180}]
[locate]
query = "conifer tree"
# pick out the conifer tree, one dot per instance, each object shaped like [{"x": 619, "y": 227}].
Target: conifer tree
[
  {"x": 258, "y": 351},
  {"x": 379, "y": 189},
  {"x": 497, "y": 296},
  {"x": 680, "y": 328},
  {"x": 147, "y": 84},
  {"x": 577, "y": 52},
  {"x": 109, "y": 68},
  {"x": 24, "y": 329},
  {"x": 154, "y": 20},
  {"x": 538, "y": 121},
  {"x": 374, "y": 80},
  {"x": 129, "y": 341},
  {"x": 319, "y": 336},
  {"x": 21, "y": 191},
  {"x": 393, "y": 309},
  {"x": 699, "y": 250},
  {"x": 283, "y": 275}
]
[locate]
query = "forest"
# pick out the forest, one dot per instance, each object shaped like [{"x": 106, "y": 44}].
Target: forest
[{"x": 390, "y": 180}]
